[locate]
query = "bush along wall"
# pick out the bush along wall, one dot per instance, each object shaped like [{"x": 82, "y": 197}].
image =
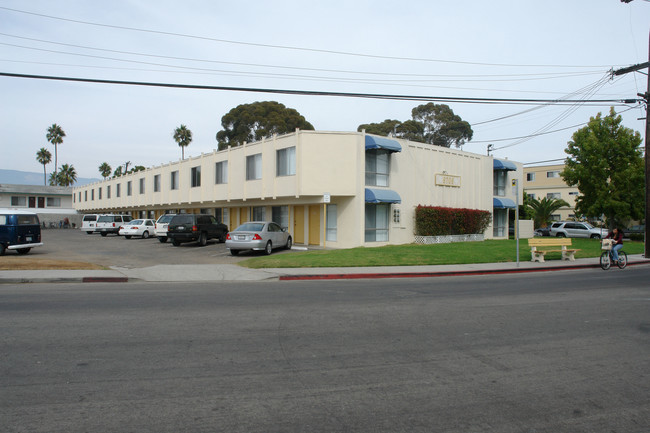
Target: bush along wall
[{"x": 442, "y": 221}]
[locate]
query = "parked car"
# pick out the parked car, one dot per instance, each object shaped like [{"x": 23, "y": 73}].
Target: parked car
[
  {"x": 162, "y": 223},
  {"x": 143, "y": 228},
  {"x": 575, "y": 229},
  {"x": 89, "y": 223},
  {"x": 258, "y": 236},
  {"x": 195, "y": 228},
  {"x": 111, "y": 223},
  {"x": 638, "y": 229},
  {"x": 19, "y": 230}
]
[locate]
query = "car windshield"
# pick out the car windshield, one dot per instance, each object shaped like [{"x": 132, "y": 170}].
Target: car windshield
[
  {"x": 589, "y": 226},
  {"x": 165, "y": 219},
  {"x": 135, "y": 223},
  {"x": 250, "y": 227}
]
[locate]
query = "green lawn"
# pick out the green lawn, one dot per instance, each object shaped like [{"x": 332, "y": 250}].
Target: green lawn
[{"x": 489, "y": 251}]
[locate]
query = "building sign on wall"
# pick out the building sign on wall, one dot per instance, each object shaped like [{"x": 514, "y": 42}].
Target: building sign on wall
[{"x": 447, "y": 180}]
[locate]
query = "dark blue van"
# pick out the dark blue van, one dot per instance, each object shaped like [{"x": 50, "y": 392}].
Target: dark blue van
[{"x": 19, "y": 230}]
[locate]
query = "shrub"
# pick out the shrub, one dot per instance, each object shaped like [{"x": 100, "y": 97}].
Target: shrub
[{"x": 440, "y": 221}]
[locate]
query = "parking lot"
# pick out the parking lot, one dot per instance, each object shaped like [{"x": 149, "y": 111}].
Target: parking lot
[{"x": 113, "y": 250}]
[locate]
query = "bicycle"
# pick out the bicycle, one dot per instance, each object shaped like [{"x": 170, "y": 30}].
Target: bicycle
[{"x": 606, "y": 258}]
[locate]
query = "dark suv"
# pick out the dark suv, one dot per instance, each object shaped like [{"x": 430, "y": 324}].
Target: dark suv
[{"x": 195, "y": 227}]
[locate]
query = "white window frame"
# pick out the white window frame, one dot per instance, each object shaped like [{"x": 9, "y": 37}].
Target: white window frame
[
  {"x": 331, "y": 227},
  {"x": 377, "y": 167},
  {"x": 285, "y": 162},
  {"x": 500, "y": 181},
  {"x": 173, "y": 180},
  {"x": 254, "y": 167},
  {"x": 195, "y": 177},
  {"x": 377, "y": 221},
  {"x": 156, "y": 183},
  {"x": 221, "y": 172}
]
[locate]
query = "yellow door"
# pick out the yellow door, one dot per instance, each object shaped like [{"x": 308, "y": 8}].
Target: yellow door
[
  {"x": 314, "y": 225},
  {"x": 298, "y": 225}
]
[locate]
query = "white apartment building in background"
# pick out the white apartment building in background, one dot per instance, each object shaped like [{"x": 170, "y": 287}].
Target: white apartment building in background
[
  {"x": 337, "y": 189},
  {"x": 545, "y": 181}
]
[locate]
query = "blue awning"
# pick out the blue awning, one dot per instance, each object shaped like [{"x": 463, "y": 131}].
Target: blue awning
[
  {"x": 501, "y": 164},
  {"x": 503, "y": 203},
  {"x": 382, "y": 196},
  {"x": 382, "y": 143}
]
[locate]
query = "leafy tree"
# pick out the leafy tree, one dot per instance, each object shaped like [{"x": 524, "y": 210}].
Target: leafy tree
[
  {"x": 259, "y": 120},
  {"x": 431, "y": 123},
  {"x": 105, "y": 170},
  {"x": 44, "y": 157},
  {"x": 183, "y": 137},
  {"x": 606, "y": 164},
  {"x": 55, "y": 136},
  {"x": 124, "y": 170},
  {"x": 66, "y": 176},
  {"x": 541, "y": 210}
]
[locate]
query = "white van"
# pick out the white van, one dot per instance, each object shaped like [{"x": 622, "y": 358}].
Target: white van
[{"x": 89, "y": 223}]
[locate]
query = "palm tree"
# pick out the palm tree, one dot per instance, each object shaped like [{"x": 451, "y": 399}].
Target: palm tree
[
  {"x": 44, "y": 157},
  {"x": 542, "y": 210},
  {"x": 183, "y": 137},
  {"x": 67, "y": 176},
  {"x": 55, "y": 136},
  {"x": 105, "y": 170}
]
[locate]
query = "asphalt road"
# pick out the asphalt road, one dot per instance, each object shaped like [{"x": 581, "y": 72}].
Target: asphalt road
[
  {"x": 559, "y": 352},
  {"x": 113, "y": 250}
]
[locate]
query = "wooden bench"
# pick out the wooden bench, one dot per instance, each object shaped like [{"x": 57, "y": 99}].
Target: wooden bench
[{"x": 538, "y": 255}]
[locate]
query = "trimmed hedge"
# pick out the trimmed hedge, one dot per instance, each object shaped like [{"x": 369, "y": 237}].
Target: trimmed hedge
[{"x": 440, "y": 221}]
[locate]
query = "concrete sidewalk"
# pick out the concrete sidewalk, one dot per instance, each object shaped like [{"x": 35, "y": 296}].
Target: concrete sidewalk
[{"x": 225, "y": 272}]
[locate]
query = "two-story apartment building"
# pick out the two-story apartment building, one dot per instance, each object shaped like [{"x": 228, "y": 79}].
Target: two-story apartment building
[
  {"x": 545, "y": 181},
  {"x": 338, "y": 189}
]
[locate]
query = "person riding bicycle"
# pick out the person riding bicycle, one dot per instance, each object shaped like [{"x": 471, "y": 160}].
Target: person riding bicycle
[{"x": 617, "y": 235}]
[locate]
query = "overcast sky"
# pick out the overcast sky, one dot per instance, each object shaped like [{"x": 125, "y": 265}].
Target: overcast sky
[{"x": 524, "y": 49}]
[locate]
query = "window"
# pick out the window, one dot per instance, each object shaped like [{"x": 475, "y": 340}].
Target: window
[
  {"x": 129, "y": 188},
  {"x": 141, "y": 181},
  {"x": 156, "y": 183},
  {"x": 92, "y": 194},
  {"x": 221, "y": 172},
  {"x": 195, "y": 176},
  {"x": 254, "y": 167},
  {"x": 554, "y": 173},
  {"x": 530, "y": 177},
  {"x": 108, "y": 191},
  {"x": 286, "y": 162},
  {"x": 330, "y": 232},
  {"x": 80, "y": 196},
  {"x": 532, "y": 196},
  {"x": 174, "y": 180},
  {"x": 19, "y": 201},
  {"x": 500, "y": 177},
  {"x": 377, "y": 167},
  {"x": 280, "y": 215},
  {"x": 118, "y": 187},
  {"x": 99, "y": 193},
  {"x": 377, "y": 217},
  {"x": 259, "y": 213},
  {"x": 53, "y": 202},
  {"x": 396, "y": 216},
  {"x": 86, "y": 195},
  {"x": 555, "y": 195},
  {"x": 574, "y": 193},
  {"x": 500, "y": 221},
  {"x": 555, "y": 217}
]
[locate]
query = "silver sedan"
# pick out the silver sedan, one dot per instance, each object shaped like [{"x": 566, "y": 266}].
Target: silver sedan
[{"x": 258, "y": 236}]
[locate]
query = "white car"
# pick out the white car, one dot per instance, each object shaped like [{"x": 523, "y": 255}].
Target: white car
[
  {"x": 576, "y": 229},
  {"x": 141, "y": 227},
  {"x": 162, "y": 223}
]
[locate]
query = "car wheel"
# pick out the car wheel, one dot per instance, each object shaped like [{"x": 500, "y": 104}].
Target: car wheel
[
  {"x": 23, "y": 250},
  {"x": 3, "y": 248},
  {"x": 127, "y": 236},
  {"x": 145, "y": 235},
  {"x": 222, "y": 238},
  {"x": 561, "y": 235},
  {"x": 595, "y": 236},
  {"x": 175, "y": 243},
  {"x": 162, "y": 239},
  {"x": 288, "y": 246},
  {"x": 269, "y": 248},
  {"x": 234, "y": 252},
  {"x": 203, "y": 239},
  {"x": 103, "y": 234}
]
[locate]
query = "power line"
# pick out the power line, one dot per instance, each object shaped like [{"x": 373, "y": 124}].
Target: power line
[
  {"x": 606, "y": 102},
  {"x": 292, "y": 48}
]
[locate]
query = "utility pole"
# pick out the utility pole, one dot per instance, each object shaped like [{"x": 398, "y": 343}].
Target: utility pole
[{"x": 646, "y": 97}]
